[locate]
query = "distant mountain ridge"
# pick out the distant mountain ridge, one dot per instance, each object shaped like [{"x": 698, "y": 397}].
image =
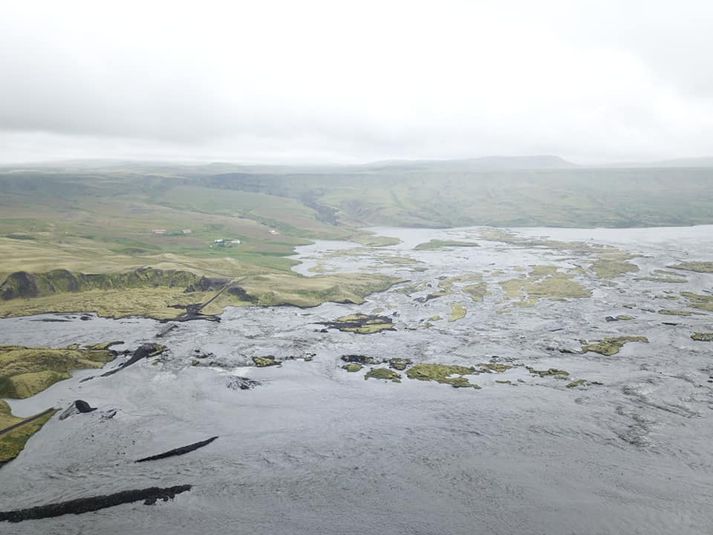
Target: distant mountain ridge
[
  {"x": 486, "y": 163},
  {"x": 541, "y": 162}
]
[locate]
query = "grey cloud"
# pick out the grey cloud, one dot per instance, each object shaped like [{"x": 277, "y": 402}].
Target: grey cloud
[{"x": 273, "y": 81}]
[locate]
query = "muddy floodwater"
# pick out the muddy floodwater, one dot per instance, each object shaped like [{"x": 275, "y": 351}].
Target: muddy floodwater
[{"x": 557, "y": 439}]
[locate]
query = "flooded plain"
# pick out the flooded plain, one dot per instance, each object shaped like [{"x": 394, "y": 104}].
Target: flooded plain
[{"x": 585, "y": 405}]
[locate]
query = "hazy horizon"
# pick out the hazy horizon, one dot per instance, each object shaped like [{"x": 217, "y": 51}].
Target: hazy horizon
[{"x": 319, "y": 82}]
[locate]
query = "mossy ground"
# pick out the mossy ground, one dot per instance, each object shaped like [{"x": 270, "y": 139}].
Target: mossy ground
[
  {"x": 26, "y": 371},
  {"x": 699, "y": 301},
  {"x": 450, "y": 374},
  {"x": 434, "y": 245},
  {"x": 383, "y": 373},
  {"x": 13, "y": 442},
  {"x": 362, "y": 324},
  {"x": 544, "y": 282},
  {"x": 577, "y": 383},
  {"x": 373, "y": 240},
  {"x": 613, "y": 264},
  {"x": 399, "y": 364},
  {"x": 264, "y": 362},
  {"x": 612, "y": 345},
  {"x": 550, "y": 372},
  {"x": 671, "y": 312},
  {"x": 698, "y": 267},
  {"x": 458, "y": 312},
  {"x": 477, "y": 291},
  {"x": 157, "y": 300}
]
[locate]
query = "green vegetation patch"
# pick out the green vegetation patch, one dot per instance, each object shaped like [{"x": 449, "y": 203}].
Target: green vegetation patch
[
  {"x": 25, "y": 371},
  {"x": 274, "y": 289},
  {"x": 671, "y": 312},
  {"x": 577, "y": 383},
  {"x": 494, "y": 367},
  {"x": 352, "y": 367},
  {"x": 372, "y": 240},
  {"x": 698, "y": 267},
  {"x": 383, "y": 373},
  {"x": 22, "y": 284},
  {"x": 613, "y": 264},
  {"x": 544, "y": 282},
  {"x": 161, "y": 294},
  {"x": 13, "y": 442},
  {"x": 449, "y": 374},
  {"x": 663, "y": 276},
  {"x": 442, "y": 244},
  {"x": 399, "y": 363},
  {"x": 699, "y": 301},
  {"x": 458, "y": 312},
  {"x": 550, "y": 372},
  {"x": 477, "y": 291},
  {"x": 361, "y": 324},
  {"x": 264, "y": 362},
  {"x": 702, "y": 337},
  {"x": 612, "y": 345}
]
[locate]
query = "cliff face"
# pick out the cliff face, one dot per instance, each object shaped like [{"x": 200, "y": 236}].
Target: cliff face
[{"x": 22, "y": 284}]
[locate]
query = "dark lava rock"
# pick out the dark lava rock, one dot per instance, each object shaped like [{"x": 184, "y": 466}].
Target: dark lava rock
[
  {"x": 241, "y": 294},
  {"x": 142, "y": 352},
  {"x": 359, "y": 359},
  {"x": 78, "y": 407},
  {"x": 205, "y": 284},
  {"x": 83, "y": 406},
  {"x": 178, "y": 451},
  {"x": 95, "y": 503}
]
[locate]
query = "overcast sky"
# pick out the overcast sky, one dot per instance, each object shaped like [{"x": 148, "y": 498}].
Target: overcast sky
[{"x": 348, "y": 81}]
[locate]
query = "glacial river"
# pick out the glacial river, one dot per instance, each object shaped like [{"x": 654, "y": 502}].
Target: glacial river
[{"x": 316, "y": 449}]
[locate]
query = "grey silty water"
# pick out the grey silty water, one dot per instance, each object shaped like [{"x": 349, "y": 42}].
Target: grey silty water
[{"x": 317, "y": 449}]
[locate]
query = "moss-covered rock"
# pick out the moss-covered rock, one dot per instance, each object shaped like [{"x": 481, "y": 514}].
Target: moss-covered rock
[
  {"x": 383, "y": 373},
  {"x": 361, "y": 323},
  {"x": 494, "y": 367},
  {"x": 698, "y": 267},
  {"x": 612, "y": 345},
  {"x": 399, "y": 363},
  {"x": 577, "y": 383},
  {"x": 702, "y": 337},
  {"x": 25, "y": 371},
  {"x": 671, "y": 312},
  {"x": 544, "y": 282},
  {"x": 476, "y": 291},
  {"x": 264, "y": 362},
  {"x": 358, "y": 359},
  {"x": 352, "y": 367},
  {"x": 458, "y": 312},
  {"x": 550, "y": 372},
  {"x": 613, "y": 264},
  {"x": 699, "y": 301},
  {"x": 450, "y": 374}
]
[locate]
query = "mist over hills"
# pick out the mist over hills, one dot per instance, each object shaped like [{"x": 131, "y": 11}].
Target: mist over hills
[{"x": 479, "y": 164}]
